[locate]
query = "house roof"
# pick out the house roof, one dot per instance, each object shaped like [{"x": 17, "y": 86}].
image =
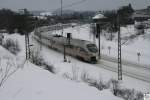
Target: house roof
[{"x": 99, "y": 16}]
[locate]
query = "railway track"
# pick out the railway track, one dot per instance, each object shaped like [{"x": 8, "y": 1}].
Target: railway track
[
  {"x": 112, "y": 68},
  {"x": 125, "y": 62}
]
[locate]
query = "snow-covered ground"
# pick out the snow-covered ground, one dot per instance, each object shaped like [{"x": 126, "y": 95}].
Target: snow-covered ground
[
  {"x": 34, "y": 83},
  {"x": 31, "y": 82}
]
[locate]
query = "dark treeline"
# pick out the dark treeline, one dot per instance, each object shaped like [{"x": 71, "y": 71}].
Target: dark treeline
[
  {"x": 12, "y": 21},
  {"x": 123, "y": 14},
  {"x": 26, "y": 22},
  {"x": 71, "y": 16}
]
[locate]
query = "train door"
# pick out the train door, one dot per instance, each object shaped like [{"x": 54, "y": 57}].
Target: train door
[
  {"x": 81, "y": 53},
  {"x": 70, "y": 49}
]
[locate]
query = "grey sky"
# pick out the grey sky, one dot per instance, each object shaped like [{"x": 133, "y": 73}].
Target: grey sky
[{"x": 87, "y": 5}]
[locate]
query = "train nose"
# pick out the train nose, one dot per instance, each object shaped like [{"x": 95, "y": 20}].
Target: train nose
[
  {"x": 93, "y": 59},
  {"x": 94, "y": 56}
]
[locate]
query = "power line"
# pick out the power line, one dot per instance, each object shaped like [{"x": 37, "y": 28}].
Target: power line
[
  {"x": 74, "y": 3},
  {"x": 61, "y": 17},
  {"x": 70, "y": 5}
]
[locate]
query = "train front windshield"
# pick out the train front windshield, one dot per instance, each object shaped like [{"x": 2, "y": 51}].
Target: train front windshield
[{"x": 92, "y": 48}]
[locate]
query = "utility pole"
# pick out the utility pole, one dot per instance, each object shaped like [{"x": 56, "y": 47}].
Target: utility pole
[
  {"x": 39, "y": 34},
  {"x": 40, "y": 40},
  {"x": 99, "y": 42},
  {"x": 61, "y": 19},
  {"x": 1, "y": 38},
  {"x": 26, "y": 37},
  {"x": 62, "y": 33},
  {"x": 65, "y": 60},
  {"x": 119, "y": 50},
  {"x": 67, "y": 45},
  {"x": 68, "y": 38},
  {"x": 100, "y": 21},
  {"x": 27, "y": 46}
]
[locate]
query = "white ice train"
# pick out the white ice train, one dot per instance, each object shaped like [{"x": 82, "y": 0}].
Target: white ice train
[{"x": 82, "y": 49}]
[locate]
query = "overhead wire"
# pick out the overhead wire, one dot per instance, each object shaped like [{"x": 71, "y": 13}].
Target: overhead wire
[
  {"x": 70, "y": 5},
  {"x": 74, "y": 3}
]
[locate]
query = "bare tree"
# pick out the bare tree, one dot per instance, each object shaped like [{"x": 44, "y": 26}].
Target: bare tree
[{"x": 7, "y": 68}]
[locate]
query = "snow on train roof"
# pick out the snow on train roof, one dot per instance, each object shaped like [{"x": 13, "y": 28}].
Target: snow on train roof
[{"x": 73, "y": 41}]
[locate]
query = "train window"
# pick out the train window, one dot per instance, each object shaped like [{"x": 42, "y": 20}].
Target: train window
[
  {"x": 70, "y": 46},
  {"x": 82, "y": 50},
  {"x": 92, "y": 48}
]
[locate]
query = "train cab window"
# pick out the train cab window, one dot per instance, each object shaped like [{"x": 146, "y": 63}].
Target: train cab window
[{"x": 92, "y": 48}]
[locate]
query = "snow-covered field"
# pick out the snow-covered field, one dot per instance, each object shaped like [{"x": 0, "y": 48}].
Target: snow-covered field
[
  {"x": 32, "y": 82},
  {"x": 139, "y": 43}
]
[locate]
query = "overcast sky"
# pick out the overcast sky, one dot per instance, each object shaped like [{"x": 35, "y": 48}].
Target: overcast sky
[{"x": 50, "y": 5}]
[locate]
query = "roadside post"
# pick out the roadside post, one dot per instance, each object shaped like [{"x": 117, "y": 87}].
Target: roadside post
[
  {"x": 138, "y": 54},
  {"x": 109, "y": 47}
]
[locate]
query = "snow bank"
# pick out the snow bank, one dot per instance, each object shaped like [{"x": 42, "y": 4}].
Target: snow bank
[{"x": 33, "y": 83}]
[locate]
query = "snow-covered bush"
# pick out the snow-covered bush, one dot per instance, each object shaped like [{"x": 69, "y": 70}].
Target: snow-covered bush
[
  {"x": 129, "y": 94},
  {"x": 99, "y": 84},
  {"x": 113, "y": 84},
  {"x": 38, "y": 60},
  {"x": 67, "y": 75},
  {"x": 74, "y": 75},
  {"x": 126, "y": 94},
  {"x": 12, "y": 46},
  {"x": 85, "y": 76}
]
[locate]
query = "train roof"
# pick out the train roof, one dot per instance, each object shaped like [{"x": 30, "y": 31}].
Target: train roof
[{"x": 63, "y": 40}]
